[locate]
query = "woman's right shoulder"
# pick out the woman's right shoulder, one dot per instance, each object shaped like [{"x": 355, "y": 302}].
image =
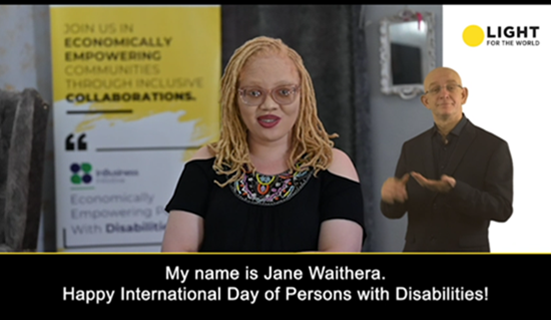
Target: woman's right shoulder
[
  {"x": 204, "y": 153},
  {"x": 200, "y": 163}
]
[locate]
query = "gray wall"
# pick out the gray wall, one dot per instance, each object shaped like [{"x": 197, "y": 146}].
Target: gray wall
[
  {"x": 25, "y": 62},
  {"x": 394, "y": 121}
]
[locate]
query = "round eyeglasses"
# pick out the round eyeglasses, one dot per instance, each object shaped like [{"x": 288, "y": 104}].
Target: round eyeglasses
[
  {"x": 255, "y": 96},
  {"x": 450, "y": 87}
]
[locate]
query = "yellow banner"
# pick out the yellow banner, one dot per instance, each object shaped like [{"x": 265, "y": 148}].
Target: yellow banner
[{"x": 136, "y": 92}]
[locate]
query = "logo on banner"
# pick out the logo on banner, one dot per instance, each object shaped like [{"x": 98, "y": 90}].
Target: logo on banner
[
  {"x": 81, "y": 173},
  {"x": 495, "y": 36}
]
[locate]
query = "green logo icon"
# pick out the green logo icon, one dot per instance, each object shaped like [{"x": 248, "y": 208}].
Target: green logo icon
[{"x": 81, "y": 173}]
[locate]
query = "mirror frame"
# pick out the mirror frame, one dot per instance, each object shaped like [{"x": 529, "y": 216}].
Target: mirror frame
[{"x": 406, "y": 92}]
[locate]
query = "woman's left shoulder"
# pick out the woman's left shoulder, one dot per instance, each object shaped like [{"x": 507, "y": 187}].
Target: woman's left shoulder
[{"x": 342, "y": 166}]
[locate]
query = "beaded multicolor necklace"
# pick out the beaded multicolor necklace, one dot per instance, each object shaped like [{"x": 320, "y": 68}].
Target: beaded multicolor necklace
[{"x": 270, "y": 190}]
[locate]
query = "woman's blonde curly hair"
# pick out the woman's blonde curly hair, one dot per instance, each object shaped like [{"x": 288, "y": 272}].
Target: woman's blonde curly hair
[{"x": 310, "y": 142}]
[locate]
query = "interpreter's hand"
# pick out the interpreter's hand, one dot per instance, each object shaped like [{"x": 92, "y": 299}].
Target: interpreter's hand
[
  {"x": 444, "y": 185},
  {"x": 394, "y": 189}
]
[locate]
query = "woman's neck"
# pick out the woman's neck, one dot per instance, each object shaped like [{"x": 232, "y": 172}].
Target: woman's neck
[{"x": 269, "y": 157}]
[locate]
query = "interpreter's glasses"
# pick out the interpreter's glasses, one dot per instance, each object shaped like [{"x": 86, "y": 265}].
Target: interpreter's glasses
[
  {"x": 450, "y": 87},
  {"x": 255, "y": 96}
]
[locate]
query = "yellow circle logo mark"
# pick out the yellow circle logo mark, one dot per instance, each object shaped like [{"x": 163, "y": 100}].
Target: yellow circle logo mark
[{"x": 473, "y": 35}]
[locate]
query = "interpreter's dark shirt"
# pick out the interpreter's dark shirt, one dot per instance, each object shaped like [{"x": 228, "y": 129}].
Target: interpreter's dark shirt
[{"x": 443, "y": 148}]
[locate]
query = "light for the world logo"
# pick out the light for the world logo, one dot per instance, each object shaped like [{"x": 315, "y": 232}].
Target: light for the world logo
[
  {"x": 508, "y": 36},
  {"x": 473, "y": 35},
  {"x": 81, "y": 173}
]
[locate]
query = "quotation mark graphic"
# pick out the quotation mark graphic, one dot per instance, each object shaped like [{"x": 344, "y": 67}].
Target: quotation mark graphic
[
  {"x": 70, "y": 145},
  {"x": 81, "y": 173}
]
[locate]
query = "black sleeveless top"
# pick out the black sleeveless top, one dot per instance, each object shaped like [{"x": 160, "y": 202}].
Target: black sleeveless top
[{"x": 280, "y": 213}]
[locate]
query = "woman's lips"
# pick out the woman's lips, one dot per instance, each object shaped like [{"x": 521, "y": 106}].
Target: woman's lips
[{"x": 268, "y": 121}]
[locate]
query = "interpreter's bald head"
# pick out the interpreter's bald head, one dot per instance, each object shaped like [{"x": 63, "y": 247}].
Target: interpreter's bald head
[
  {"x": 439, "y": 72},
  {"x": 444, "y": 94}
]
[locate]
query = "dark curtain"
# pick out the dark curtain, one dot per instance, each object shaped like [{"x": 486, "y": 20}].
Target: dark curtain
[{"x": 332, "y": 44}]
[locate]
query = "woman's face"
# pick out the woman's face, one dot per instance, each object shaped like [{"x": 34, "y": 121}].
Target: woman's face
[{"x": 269, "y": 97}]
